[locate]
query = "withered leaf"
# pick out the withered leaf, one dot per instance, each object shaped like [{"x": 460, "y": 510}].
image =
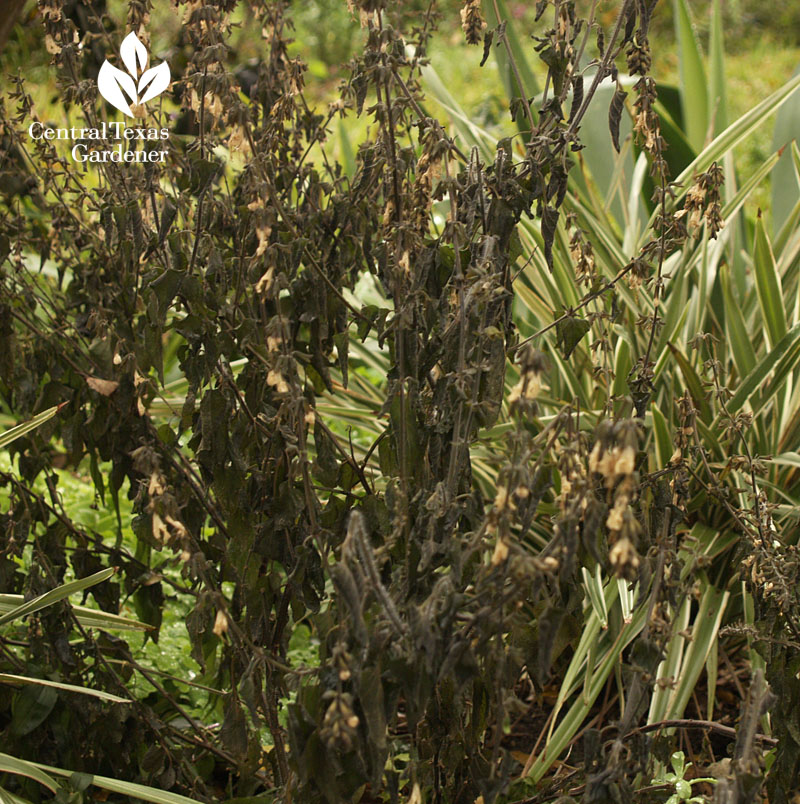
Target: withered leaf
[
  {"x": 541, "y": 7},
  {"x": 549, "y": 622},
  {"x": 615, "y": 115},
  {"x": 371, "y": 696},
  {"x": 570, "y": 330},
  {"x": 577, "y": 96},
  {"x": 630, "y": 22},
  {"x": 168, "y": 214},
  {"x": 549, "y": 223},
  {"x": 233, "y": 733},
  {"x": 488, "y": 38},
  {"x": 104, "y": 387}
]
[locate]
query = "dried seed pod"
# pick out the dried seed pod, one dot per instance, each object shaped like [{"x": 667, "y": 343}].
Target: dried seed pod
[
  {"x": 639, "y": 58},
  {"x": 472, "y": 22},
  {"x": 532, "y": 365}
]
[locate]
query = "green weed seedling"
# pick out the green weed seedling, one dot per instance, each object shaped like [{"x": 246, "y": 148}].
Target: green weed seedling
[{"x": 683, "y": 786}]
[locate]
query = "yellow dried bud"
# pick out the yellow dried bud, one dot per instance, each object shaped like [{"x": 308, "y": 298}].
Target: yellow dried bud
[
  {"x": 262, "y": 233},
  {"x": 625, "y": 461},
  {"x": 500, "y": 552},
  {"x": 264, "y": 285},
  {"x": 237, "y": 141},
  {"x": 275, "y": 378},
  {"x": 220, "y": 623},
  {"x": 623, "y": 557},
  {"x": 614, "y": 521},
  {"x": 501, "y": 499},
  {"x": 594, "y": 457}
]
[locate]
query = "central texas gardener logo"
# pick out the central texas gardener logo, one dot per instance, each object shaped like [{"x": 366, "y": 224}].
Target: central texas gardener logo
[{"x": 129, "y": 91}]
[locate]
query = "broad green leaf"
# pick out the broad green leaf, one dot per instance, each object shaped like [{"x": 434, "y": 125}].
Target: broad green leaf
[
  {"x": 737, "y": 200},
  {"x": 54, "y": 595},
  {"x": 106, "y": 696},
  {"x": 575, "y": 385},
  {"x": 610, "y": 258},
  {"x": 693, "y": 383},
  {"x": 91, "y": 618},
  {"x": 698, "y": 300},
  {"x": 740, "y": 341},
  {"x": 11, "y": 798},
  {"x": 31, "y": 770},
  {"x": 710, "y": 440},
  {"x": 717, "y": 100},
  {"x": 662, "y": 440},
  {"x": 15, "y": 432},
  {"x": 785, "y": 180},
  {"x": 635, "y": 206},
  {"x": 790, "y": 435},
  {"x": 30, "y": 708},
  {"x": 701, "y": 545},
  {"x": 787, "y": 459},
  {"x": 138, "y": 791},
  {"x": 735, "y": 230},
  {"x": 609, "y": 169},
  {"x": 594, "y": 588},
  {"x": 622, "y": 367},
  {"x": 782, "y": 359},
  {"x": 563, "y": 271},
  {"x": 676, "y": 308},
  {"x": 627, "y": 598},
  {"x": 785, "y": 367},
  {"x": 694, "y": 86},
  {"x": 609, "y": 658},
  {"x": 768, "y": 286},
  {"x": 704, "y": 633},
  {"x": 712, "y": 667},
  {"x": 790, "y": 228},
  {"x": 669, "y": 667},
  {"x": 590, "y": 634}
]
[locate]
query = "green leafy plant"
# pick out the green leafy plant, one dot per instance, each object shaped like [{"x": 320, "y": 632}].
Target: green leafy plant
[
  {"x": 677, "y": 778},
  {"x": 42, "y": 773}
]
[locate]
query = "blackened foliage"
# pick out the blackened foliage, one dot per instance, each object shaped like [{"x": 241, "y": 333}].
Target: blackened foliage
[
  {"x": 238, "y": 282},
  {"x": 615, "y": 115}
]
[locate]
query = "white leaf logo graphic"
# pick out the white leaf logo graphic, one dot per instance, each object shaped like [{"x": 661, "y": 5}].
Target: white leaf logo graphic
[
  {"x": 139, "y": 84},
  {"x": 157, "y": 78},
  {"x": 133, "y": 51},
  {"x": 111, "y": 82}
]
